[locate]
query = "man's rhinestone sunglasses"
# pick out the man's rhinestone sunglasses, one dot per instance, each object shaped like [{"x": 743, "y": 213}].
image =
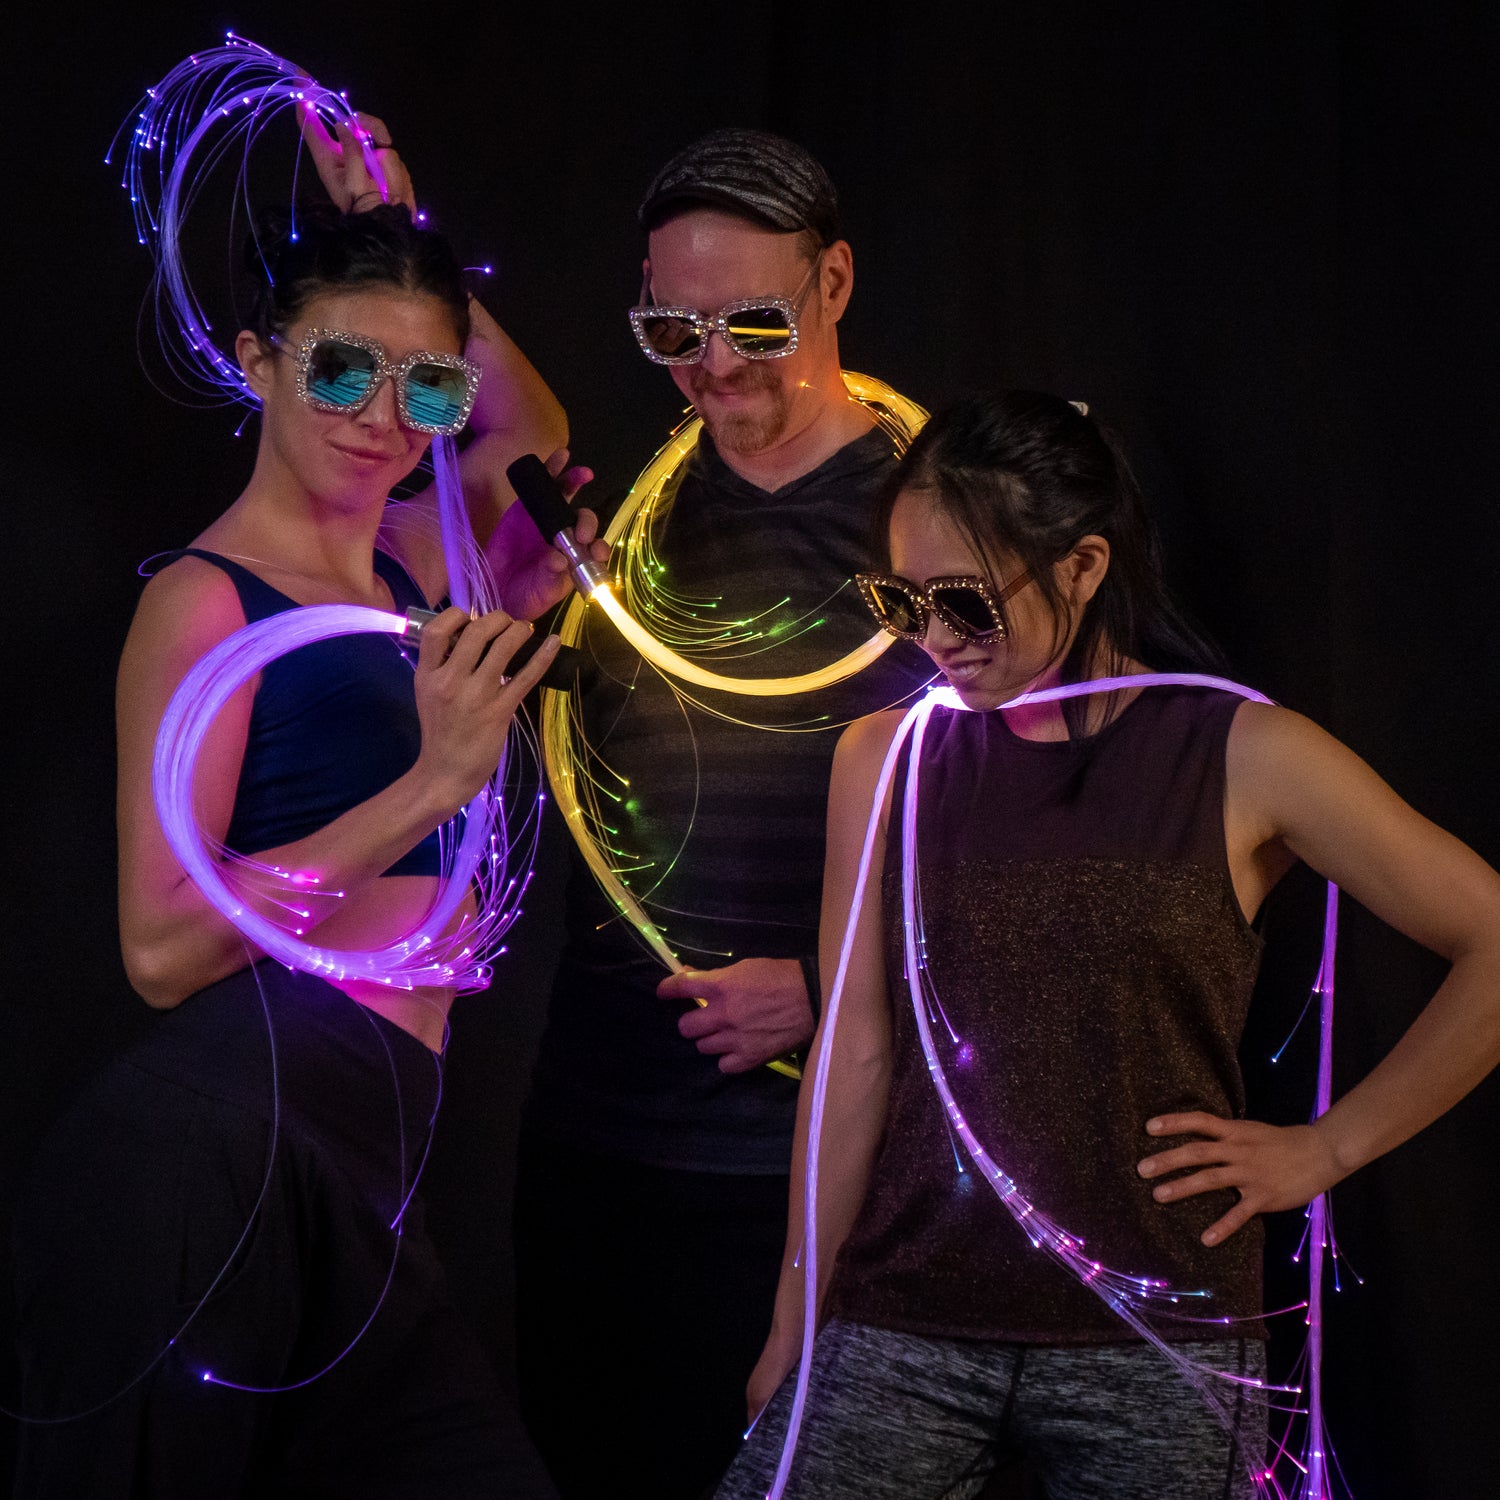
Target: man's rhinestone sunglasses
[{"x": 754, "y": 327}]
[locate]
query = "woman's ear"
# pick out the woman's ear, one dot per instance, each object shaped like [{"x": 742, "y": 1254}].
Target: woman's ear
[
  {"x": 256, "y": 360},
  {"x": 1081, "y": 572}
]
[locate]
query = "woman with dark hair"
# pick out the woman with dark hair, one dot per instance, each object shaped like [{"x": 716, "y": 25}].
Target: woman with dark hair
[
  {"x": 1089, "y": 872},
  {"x": 225, "y": 1287}
]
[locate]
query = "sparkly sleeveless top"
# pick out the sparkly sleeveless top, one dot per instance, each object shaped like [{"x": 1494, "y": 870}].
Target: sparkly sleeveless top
[{"x": 1088, "y": 949}]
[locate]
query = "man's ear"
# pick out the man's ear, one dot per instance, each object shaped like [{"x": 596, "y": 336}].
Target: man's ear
[
  {"x": 836, "y": 279},
  {"x": 255, "y": 362}
]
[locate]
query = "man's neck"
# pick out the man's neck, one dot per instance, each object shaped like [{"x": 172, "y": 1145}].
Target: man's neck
[{"x": 837, "y": 423}]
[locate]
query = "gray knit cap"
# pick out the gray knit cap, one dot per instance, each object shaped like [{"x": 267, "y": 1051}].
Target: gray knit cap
[{"x": 767, "y": 177}]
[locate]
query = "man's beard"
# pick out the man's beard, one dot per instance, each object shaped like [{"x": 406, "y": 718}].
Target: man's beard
[{"x": 739, "y": 432}]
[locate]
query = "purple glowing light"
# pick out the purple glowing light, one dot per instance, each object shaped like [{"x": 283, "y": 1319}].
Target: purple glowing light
[
  {"x": 213, "y": 106},
  {"x": 428, "y": 954}
]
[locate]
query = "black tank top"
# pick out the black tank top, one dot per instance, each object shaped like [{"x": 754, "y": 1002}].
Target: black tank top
[
  {"x": 333, "y": 723},
  {"x": 1088, "y": 948}
]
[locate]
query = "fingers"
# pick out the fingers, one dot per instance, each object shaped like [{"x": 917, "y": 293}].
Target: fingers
[
  {"x": 376, "y": 131},
  {"x": 556, "y": 461},
  {"x": 362, "y": 184},
  {"x": 398, "y": 182},
  {"x": 1209, "y": 1181},
  {"x": 438, "y": 637},
  {"x": 699, "y": 1023},
  {"x": 691, "y": 984},
  {"x": 486, "y": 645},
  {"x": 386, "y": 169},
  {"x": 585, "y": 526},
  {"x": 1191, "y": 1122},
  {"x": 1236, "y": 1219},
  {"x": 1195, "y": 1154},
  {"x": 320, "y": 144},
  {"x": 517, "y": 687},
  {"x": 573, "y": 479}
]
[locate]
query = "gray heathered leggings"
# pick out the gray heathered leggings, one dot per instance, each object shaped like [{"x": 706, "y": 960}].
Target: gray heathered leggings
[{"x": 895, "y": 1416}]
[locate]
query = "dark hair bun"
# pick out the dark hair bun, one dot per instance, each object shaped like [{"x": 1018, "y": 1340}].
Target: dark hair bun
[{"x": 293, "y": 256}]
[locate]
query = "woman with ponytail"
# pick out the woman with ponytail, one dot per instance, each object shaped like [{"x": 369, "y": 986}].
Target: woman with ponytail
[{"x": 1037, "y": 1200}]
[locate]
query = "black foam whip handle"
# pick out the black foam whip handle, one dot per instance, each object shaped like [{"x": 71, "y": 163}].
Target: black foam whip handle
[{"x": 540, "y": 494}]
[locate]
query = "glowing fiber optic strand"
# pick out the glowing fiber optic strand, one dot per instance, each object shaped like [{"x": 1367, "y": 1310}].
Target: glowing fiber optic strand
[
  {"x": 639, "y": 578},
  {"x": 1131, "y": 1298},
  {"x": 209, "y": 104},
  {"x": 640, "y": 574},
  {"x": 239, "y": 1244},
  {"x": 397, "y": 1225},
  {"x": 1319, "y": 1477},
  {"x": 638, "y": 570},
  {"x": 447, "y": 948}
]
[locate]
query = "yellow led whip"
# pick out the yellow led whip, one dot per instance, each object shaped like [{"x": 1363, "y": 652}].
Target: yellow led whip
[{"x": 900, "y": 418}]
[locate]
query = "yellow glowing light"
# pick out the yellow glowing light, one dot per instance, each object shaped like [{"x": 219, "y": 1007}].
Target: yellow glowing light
[
  {"x": 662, "y": 656},
  {"x": 639, "y": 576}
]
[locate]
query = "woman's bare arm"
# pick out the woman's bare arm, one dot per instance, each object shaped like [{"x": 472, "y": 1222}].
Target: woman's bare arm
[
  {"x": 1294, "y": 787},
  {"x": 173, "y": 941},
  {"x": 860, "y": 1067}
]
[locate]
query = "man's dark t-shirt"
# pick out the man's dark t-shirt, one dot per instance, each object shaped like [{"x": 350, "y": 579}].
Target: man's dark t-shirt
[{"x": 719, "y": 823}]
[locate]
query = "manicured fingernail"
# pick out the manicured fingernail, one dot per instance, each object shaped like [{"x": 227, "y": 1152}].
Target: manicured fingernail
[
  {"x": 1209, "y": 1237},
  {"x": 1146, "y": 1168},
  {"x": 1154, "y": 1126},
  {"x": 1162, "y": 1193},
  {"x": 551, "y": 643}
]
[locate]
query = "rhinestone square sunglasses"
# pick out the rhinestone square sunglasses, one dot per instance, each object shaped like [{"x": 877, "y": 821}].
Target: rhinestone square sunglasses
[
  {"x": 754, "y": 327},
  {"x": 340, "y": 372},
  {"x": 967, "y": 605}
]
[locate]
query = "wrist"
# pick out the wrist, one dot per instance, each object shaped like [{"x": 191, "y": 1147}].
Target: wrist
[
  {"x": 429, "y": 798},
  {"x": 1340, "y": 1155}
]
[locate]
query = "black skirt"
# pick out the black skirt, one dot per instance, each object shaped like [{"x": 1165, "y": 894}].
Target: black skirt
[{"x": 224, "y": 1286}]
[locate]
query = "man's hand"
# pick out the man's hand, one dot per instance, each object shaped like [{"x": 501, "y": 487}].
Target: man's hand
[{"x": 755, "y": 1010}]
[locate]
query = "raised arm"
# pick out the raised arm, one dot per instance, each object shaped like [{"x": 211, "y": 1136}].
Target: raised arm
[
  {"x": 514, "y": 411},
  {"x": 860, "y": 1068},
  {"x": 1294, "y": 790},
  {"x": 174, "y": 942}
]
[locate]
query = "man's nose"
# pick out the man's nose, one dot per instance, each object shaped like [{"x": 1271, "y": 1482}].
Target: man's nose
[{"x": 718, "y": 357}]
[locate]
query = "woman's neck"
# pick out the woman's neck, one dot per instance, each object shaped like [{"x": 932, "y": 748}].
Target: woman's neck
[
  {"x": 286, "y": 534},
  {"x": 1048, "y": 721}
]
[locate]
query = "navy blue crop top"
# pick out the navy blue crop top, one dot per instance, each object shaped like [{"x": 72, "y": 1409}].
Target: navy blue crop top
[{"x": 332, "y": 724}]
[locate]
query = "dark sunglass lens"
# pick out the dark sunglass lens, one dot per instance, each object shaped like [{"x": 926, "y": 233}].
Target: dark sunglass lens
[
  {"x": 339, "y": 373},
  {"x": 896, "y": 608},
  {"x": 435, "y": 395},
  {"x": 968, "y": 607},
  {"x": 670, "y": 337},
  {"x": 760, "y": 330}
]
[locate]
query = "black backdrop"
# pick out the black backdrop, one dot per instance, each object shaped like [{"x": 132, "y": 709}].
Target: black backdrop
[{"x": 1257, "y": 238}]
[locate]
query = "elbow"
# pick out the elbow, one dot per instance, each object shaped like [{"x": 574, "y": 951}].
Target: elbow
[{"x": 153, "y": 975}]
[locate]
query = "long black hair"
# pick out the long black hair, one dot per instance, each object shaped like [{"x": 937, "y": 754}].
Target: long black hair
[
  {"x": 1024, "y": 476},
  {"x": 292, "y": 259}
]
